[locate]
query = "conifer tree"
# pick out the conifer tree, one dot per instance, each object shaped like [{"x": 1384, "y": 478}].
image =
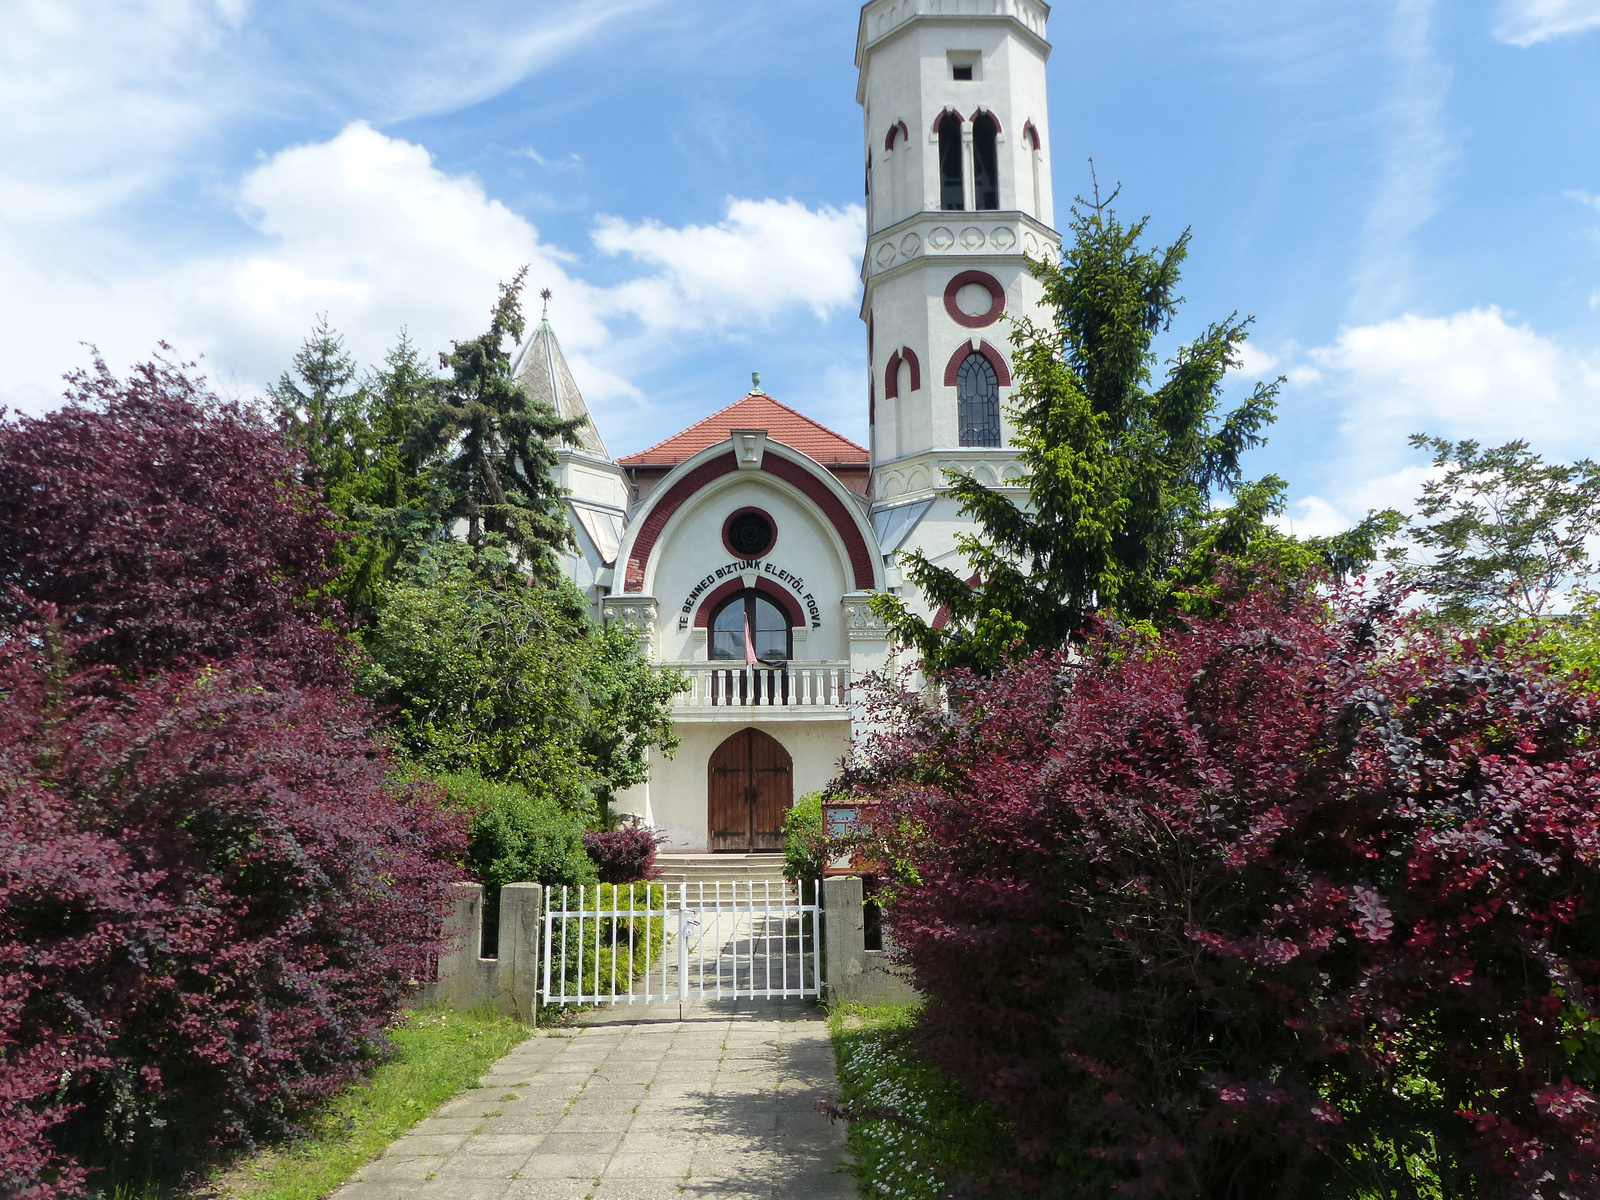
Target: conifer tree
[
  {"x": 363, "y": 453},
  {"x": 1122, "y": 470},
  {"x": 496, "y": 444}
]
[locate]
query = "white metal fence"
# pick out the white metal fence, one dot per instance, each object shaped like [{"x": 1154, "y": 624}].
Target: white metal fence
[{"x": 725, "y": 940}]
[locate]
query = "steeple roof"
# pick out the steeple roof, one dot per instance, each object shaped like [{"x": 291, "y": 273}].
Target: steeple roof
[
  {"x": 542, "y": 369},
  {"x": 755, "y": 411}
]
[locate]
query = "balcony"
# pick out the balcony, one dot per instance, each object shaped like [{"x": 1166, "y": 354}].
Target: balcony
[{"x": 723, "y": 691}]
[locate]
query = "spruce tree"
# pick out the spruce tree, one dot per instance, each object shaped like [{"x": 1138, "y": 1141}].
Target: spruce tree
[
  {"x": 1122, "y": 471},
  {"x": 496, "y": 445},
  {"x": 321, "y": 410}
]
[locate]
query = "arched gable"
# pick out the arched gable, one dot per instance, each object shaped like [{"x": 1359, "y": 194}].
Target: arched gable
[{"x": 805, "y": 476}]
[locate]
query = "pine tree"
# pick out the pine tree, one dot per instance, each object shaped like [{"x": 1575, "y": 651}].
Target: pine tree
[
  {"x": 496, "y": 445},
  {"x": 1121, "y": 471}
]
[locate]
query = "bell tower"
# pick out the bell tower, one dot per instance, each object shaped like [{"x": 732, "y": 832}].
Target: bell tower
[{"x": 958, "y": 199}]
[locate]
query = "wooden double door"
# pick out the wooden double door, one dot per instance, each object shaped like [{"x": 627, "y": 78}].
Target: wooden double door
[{"x": 750, "y": 784}]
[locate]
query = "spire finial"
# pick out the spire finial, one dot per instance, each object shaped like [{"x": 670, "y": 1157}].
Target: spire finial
[
  {"x": 544, "y": 317},
  {"x": 755, "y": 383}
]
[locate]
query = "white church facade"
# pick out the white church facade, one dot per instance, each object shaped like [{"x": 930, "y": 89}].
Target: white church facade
[{"x": 744, "y": 550}]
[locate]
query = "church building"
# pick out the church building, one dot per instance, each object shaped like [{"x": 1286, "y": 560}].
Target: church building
[{"x": 743, "y": 551}]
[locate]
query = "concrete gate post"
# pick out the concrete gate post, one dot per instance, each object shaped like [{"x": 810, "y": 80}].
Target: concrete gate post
[
  {"x": 856, "y": 975},
  {"x": 521, "y": 935},
  {"x": 509, "y": 983}
]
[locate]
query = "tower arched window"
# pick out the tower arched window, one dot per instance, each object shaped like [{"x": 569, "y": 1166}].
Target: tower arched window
[
  {"x": 1030, "y": 139},
  {"x": 985, "y": 162},
  {"x": 754, "y": 619},
  {"x": 950, "y": 197},
  {"x": 978, "y": 402}
]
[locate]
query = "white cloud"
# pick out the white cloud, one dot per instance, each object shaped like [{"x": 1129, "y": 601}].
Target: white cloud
[
  {"x": 1254, "y": 362},
  {"x": 765, "y": 256},
  {"x": 99, "y": 98},
  {"x": 407, "y": 58},
  {"x": 1529, "y": 22},
  {"x": 104, "y": 100},
  {"x": 1473, "y": 374},
  {"x": 366, "y": 228},
  {"x": 1317, "y": 516}
]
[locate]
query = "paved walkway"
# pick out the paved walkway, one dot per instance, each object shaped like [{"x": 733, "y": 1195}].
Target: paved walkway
[{"x": 636, "y": 1104}]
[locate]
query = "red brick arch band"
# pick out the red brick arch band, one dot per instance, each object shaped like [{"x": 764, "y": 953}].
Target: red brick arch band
[
  {"x": 997, "y": 299},
  {"x": 802, "y": 480},
  {"x": 952, "y": 369},
  {"x": 783, "y": 598}
]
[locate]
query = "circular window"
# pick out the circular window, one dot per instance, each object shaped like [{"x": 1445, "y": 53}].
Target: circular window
[{"x": 749, "y": 533}]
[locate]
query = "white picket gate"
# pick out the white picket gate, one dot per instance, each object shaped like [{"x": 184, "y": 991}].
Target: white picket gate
[{"x": 724, "y": 940}]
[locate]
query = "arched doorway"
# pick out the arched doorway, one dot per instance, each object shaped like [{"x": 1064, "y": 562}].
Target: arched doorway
[{"x": 750, "y": 785}]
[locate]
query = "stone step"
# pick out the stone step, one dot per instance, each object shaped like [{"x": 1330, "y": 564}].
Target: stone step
[{"x": 692, "y": 868}]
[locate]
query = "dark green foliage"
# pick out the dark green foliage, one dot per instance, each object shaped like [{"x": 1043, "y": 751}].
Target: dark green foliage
[
  {"x": 1122, "y": 471},
  {"x": 495, "y": 445},
  {"x": 489, "y": 673},
  {"x": 1505, "y": 533},
  {"x": 363, "y": 453},
  {"x": 516, "y": 836},
  {"x": 488, "y": 660}
]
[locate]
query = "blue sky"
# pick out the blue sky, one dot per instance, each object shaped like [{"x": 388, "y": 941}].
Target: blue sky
[{"x": 1406, "y": 195}]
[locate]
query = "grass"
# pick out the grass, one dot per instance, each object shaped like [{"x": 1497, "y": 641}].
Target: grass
[
  {"x": 914, "y": 1131},
  {"x": 439, "y": 1053}
]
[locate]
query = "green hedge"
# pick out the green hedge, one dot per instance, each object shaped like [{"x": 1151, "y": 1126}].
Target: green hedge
[
  {"x": 589, "y": 942},
  {"x": 804, "y": 840}
]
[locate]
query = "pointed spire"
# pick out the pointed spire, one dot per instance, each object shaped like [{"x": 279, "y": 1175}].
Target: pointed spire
[{"x": 542, "y": 369}]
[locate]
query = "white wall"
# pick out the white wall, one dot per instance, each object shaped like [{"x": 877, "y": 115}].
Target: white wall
[
  {"x": 690, "y": 549},
  {"x": 678, "y": 786}
]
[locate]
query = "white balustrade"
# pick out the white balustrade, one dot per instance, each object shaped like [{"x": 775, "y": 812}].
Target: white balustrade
[{"x": 795, "y": 685}]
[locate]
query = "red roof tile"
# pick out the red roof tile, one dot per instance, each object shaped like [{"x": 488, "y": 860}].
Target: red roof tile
[{"x": 756, "y": 411}]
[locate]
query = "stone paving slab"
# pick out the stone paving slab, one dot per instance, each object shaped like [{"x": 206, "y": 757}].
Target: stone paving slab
[{"x": 712, "y": 1102}]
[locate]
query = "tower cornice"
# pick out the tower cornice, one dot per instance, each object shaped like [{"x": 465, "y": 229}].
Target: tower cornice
[
  {"x": 971, "y": 238},
  {"x": 884, "y": 20}
]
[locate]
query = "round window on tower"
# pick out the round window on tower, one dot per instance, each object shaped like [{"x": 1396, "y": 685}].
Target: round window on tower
[{"x": 749, "y": 533}]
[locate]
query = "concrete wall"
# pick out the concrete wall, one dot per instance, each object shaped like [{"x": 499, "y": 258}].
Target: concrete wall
[
  {"x": 857, "y": 975},
  {"x": 509, "y": 983}
]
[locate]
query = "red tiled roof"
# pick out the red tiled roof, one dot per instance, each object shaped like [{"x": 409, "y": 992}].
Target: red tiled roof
[{"x": 756, "y": 411}]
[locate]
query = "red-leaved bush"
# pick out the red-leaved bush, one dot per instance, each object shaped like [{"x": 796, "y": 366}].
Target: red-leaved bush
[
  {"x": 1299, "y": 902},
  {"x": 626, "y": 854},
  {"x": 164, "y": 526},
  {"x": 213, "y": 898}
]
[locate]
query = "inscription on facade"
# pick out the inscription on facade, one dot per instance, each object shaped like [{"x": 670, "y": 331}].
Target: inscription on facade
[{"x": 738, "y": 567}]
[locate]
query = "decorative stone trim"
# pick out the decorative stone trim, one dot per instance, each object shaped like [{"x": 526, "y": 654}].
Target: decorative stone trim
[
  {"x": 750, "y": 447},
  {"x": 633, "y": 612},
  {"x": 996, "y": 234},
  {"x": 833, "y": 509},
  {"x": 861, "y": 624}
]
